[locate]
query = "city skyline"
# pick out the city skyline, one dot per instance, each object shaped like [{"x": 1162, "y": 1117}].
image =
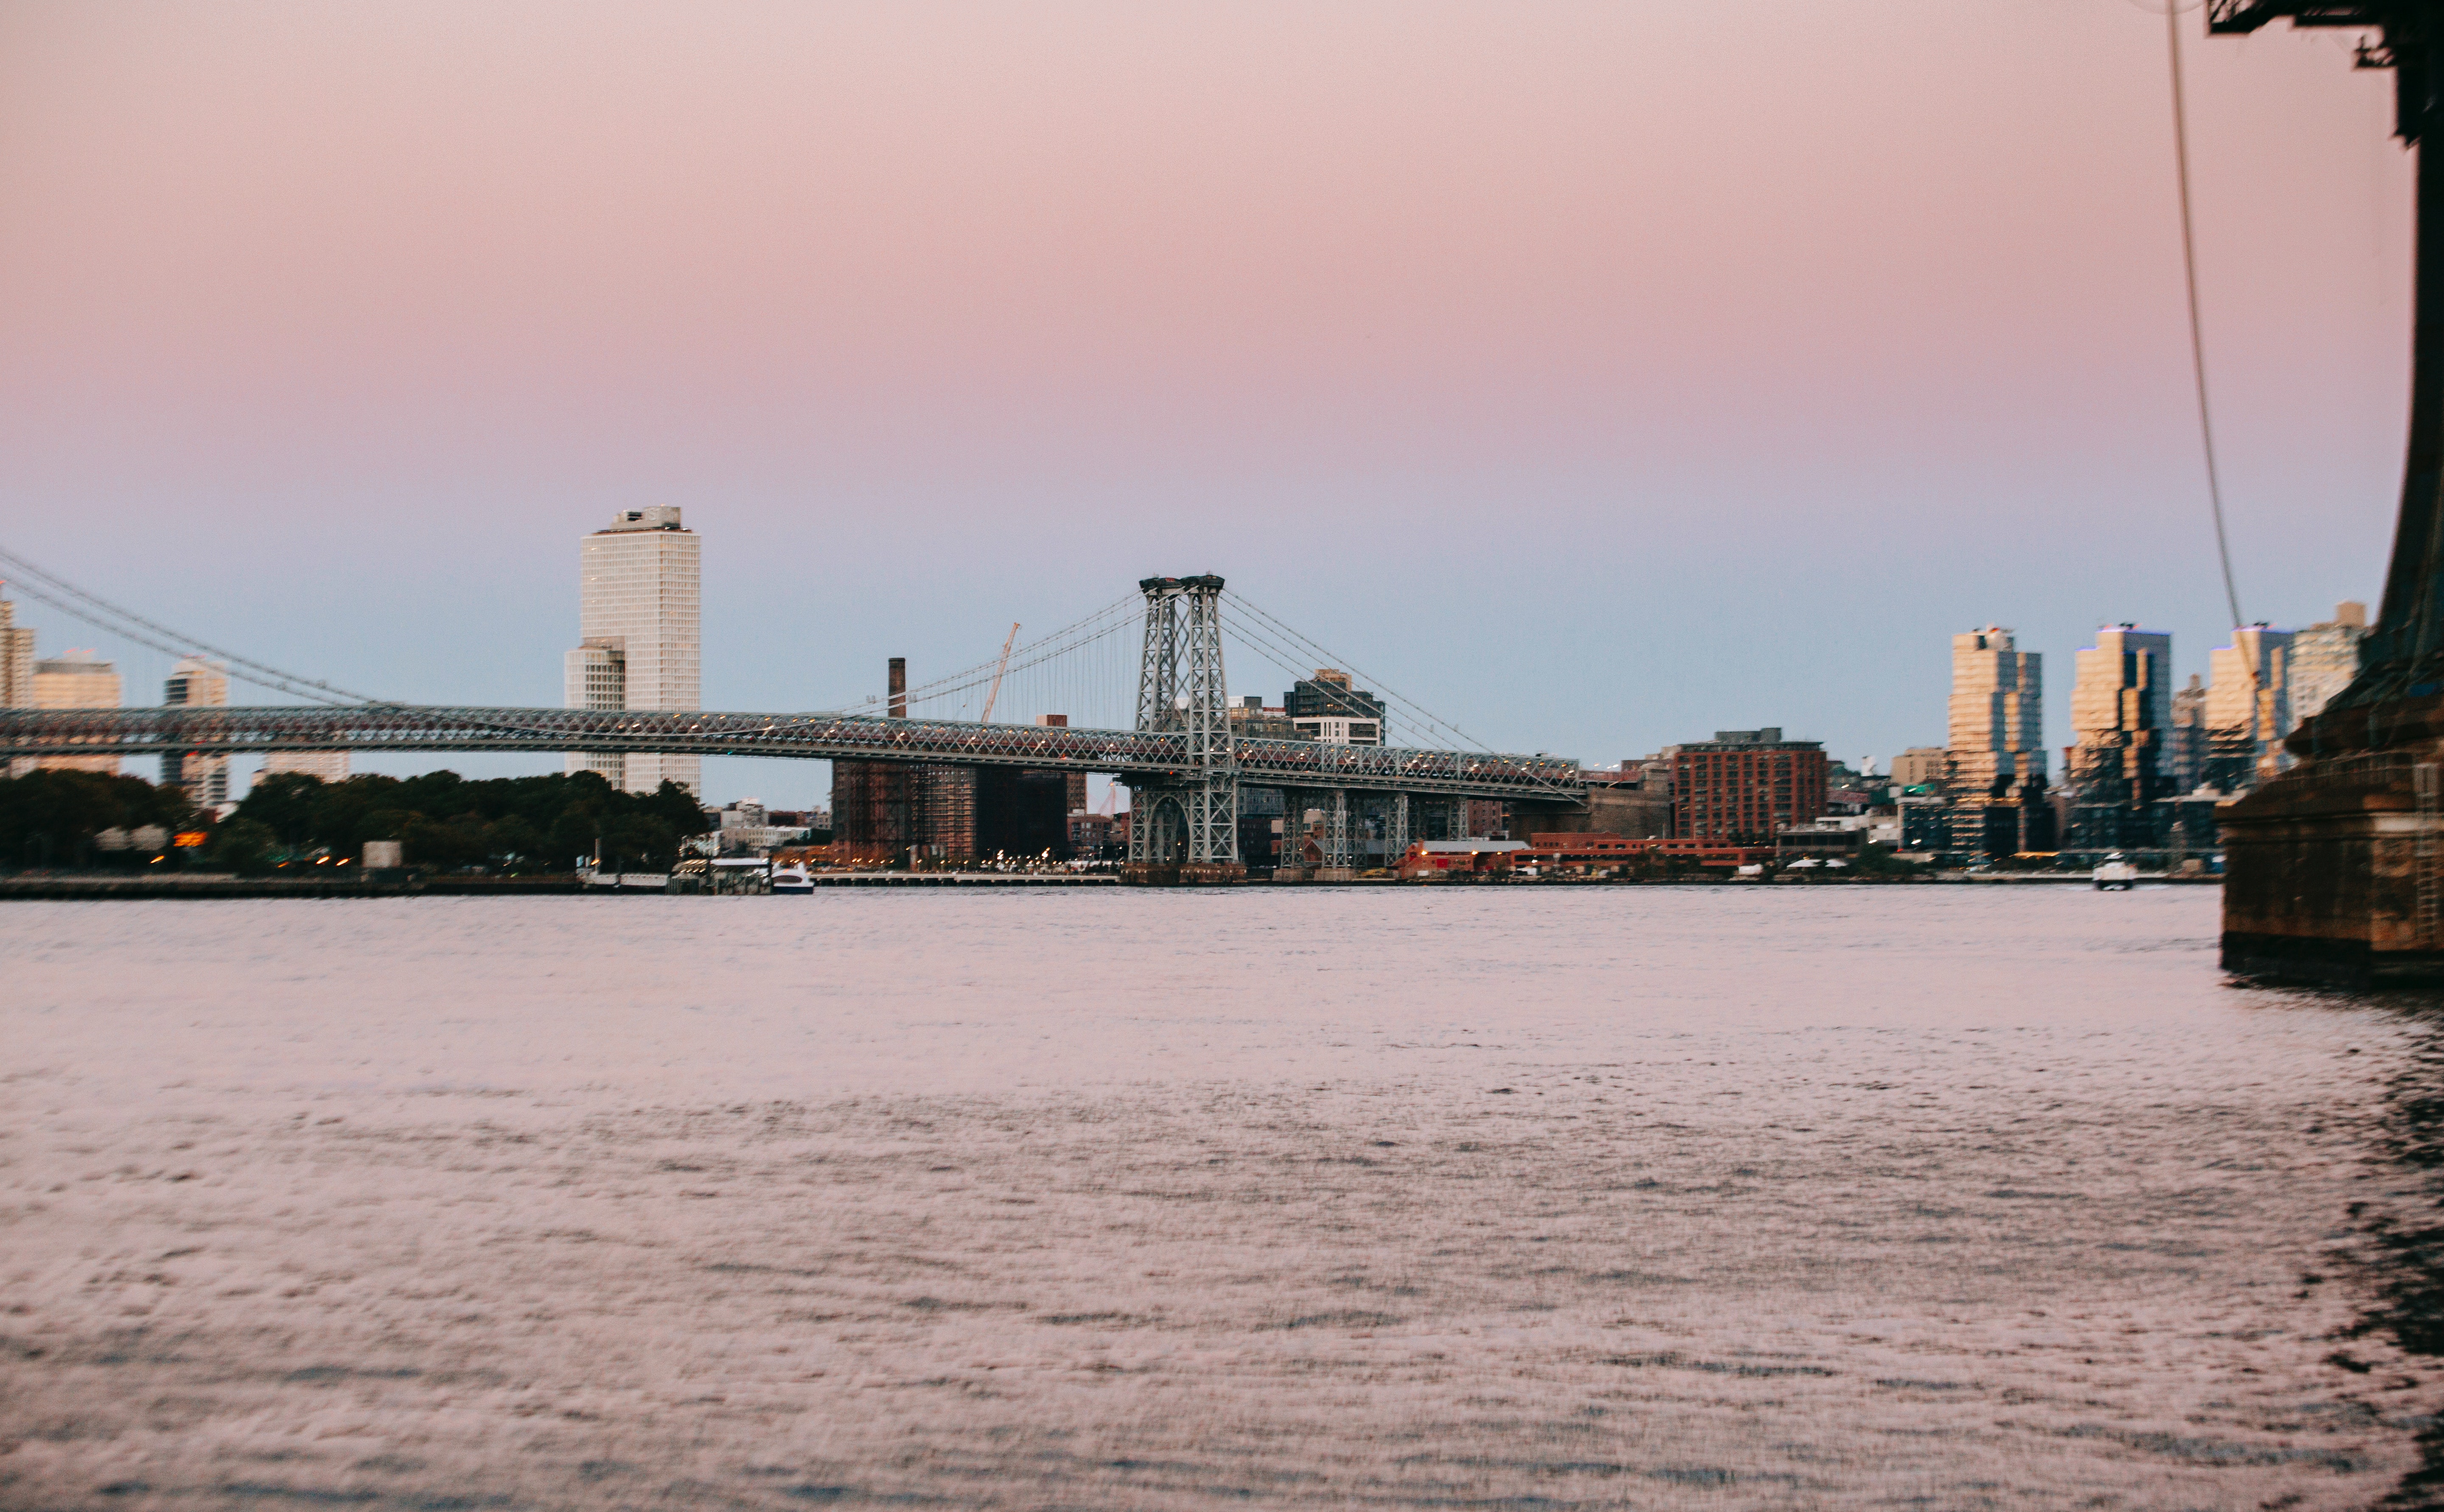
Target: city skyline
[
  {"x": 1727, "y": 394},
  {"x": 653, "y": 595}
]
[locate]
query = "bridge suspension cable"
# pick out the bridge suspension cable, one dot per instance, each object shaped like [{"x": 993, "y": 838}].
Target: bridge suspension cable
[
  {"x": 51, "y": 588},
  {"x": 2197, "y": 330},
  {"x": 1265, "y": 633},
  {"x": 1120, "y": 615}
]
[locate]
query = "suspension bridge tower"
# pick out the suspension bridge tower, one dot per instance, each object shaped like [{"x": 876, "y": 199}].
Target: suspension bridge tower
[
  {"x": 1184, "y": 827},
  {"x": 2333, "y": 871}
]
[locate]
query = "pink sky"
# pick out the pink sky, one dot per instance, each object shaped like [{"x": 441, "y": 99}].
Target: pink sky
[{"x": 1717, "y": 363}]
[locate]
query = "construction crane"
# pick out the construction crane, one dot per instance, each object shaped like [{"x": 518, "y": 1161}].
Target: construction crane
[{"x": 1007, "y": 641}]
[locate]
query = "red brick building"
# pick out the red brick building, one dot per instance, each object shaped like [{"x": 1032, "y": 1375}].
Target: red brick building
[{"x": 1743, "y": 786}]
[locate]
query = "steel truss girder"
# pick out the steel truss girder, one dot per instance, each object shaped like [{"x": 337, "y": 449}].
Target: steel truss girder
[
  {"x": 819, "y": 736},
  {"x": 1131, "y": 754}
]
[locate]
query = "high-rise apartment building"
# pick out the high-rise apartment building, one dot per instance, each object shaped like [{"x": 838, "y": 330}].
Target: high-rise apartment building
[
  {"x": 1325, "y": 708},
  {"x": 16, "y": 675},
  {"x": 196, "y": 683},
  {"x": 1997, "y": 768},
  {"x": 640, "y": 636},
  {"x": 76, "y": 679},
  {"x": 16, "y": 659},
  {"x": 1743, "y": 786},
  {"x": 2185, "y": 749},
  {"x": 1997, "y": 713},
  {"x": 2122, "y": 714},
  {"x": 2324, "y": 658},
  {"x": 2248, "y": 708}
]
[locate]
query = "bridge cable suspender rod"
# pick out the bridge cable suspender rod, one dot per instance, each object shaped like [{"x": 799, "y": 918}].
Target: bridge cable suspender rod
[{"x": 102, "y": 615}]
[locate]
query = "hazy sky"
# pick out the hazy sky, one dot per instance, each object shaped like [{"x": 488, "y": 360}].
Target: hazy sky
[{"x": 1602, "y": 374}]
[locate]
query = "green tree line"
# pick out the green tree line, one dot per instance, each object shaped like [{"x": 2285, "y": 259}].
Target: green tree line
[
  {"x": 50, "y": 819},
  {"x": 515, "y": 825}
]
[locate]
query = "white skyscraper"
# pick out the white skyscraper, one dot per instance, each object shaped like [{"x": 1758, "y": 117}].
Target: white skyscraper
[
  {"x": 196, "y": 683},
  {"x": 329, "y": 766},
  {"x": 640, "y": 636}
]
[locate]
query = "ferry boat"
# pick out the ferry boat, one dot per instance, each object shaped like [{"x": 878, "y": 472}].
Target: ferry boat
[
  {"x": 792, "y": 879},
  {"x": 2113, "y": 875}
]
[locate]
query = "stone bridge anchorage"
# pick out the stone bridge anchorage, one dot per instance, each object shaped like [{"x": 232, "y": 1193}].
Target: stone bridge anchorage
[{"x": 1183, "y": 763}]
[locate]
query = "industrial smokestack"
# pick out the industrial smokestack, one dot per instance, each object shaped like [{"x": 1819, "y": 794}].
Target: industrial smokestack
[{"x": 899, "y": 688}]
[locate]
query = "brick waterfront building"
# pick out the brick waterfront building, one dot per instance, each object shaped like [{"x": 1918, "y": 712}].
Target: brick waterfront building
[
  {"x": 882, "y": 811},
  {"x": 1743, "y": 786}
]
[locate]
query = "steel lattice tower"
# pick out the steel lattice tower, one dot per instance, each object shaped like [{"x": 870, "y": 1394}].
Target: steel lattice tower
[{"x": 1181, "y": 690}]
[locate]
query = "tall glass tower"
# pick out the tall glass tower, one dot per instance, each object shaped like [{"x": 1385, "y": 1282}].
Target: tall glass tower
[
  {"x": 1998, "y": 698},
  {"x": 2121, "y": 710},
  {"x": 641, "y": 635}
]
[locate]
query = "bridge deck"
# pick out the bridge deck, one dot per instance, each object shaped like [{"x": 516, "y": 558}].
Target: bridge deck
[{"x": 1124, "y": 753}]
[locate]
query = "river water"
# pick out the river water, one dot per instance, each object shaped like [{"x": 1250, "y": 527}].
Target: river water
[{"x": 1499, "y": 1197}]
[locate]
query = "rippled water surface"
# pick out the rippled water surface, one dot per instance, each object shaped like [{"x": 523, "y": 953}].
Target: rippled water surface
[{"x": 1523, "y": 1198}]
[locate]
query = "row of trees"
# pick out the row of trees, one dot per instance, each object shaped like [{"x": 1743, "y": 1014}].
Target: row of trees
[
  {"x": 515, "y": 825},
  {"x": 50, "y": 819}
]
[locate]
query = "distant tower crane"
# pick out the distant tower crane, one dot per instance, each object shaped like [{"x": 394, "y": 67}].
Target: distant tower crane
[{"x": 1008, "y": 640}]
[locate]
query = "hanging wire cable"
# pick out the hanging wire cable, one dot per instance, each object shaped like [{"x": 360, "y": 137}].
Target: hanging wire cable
[
  {"x": 1427, "y": 717},
  {"x": 1103, "y": 622},
  {"x": 1409, "y": 705},
  {"x": 2197, "y": 337},
  {"x": 102, "y": 615},
  {"x": 1292, "y": 664},
  {"x": 1396, "y": 713}
]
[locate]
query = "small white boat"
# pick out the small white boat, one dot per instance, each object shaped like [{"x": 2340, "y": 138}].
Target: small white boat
[
  {"x": 2113, "y": 875},
  {"x": 792, "y": 879}
]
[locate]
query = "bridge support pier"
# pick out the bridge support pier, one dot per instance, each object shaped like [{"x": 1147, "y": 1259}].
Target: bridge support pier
[{"x": 1337, "y": 864}]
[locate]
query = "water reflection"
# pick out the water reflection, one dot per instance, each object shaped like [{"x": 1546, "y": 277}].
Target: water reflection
[
  {"x": 2394, "y": 1248},
  {"x": 1690, "y": 1198}
]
